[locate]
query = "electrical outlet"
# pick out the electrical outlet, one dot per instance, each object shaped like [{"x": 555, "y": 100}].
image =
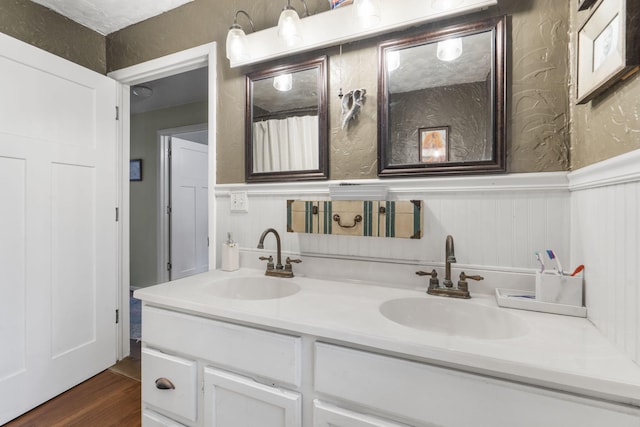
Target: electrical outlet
[{"x": 239, "y": 202}]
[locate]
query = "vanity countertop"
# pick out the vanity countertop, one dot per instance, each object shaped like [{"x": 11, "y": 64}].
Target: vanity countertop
[{"x": 559, "y": 352}]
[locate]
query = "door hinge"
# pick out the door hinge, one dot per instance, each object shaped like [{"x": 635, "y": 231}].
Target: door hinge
[
  {"x": 117, "y": 214},
  {"x": 207, "y": 242},
  {"x": 117, "y": 113},
  {"x": 168, "y": 210},
  {"x": 169, "y": 152},
  {"x": 168, "y": 266},
  {"x": 117, "y": 316}
]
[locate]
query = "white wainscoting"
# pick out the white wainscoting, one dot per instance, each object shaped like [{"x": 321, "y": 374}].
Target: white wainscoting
[
  {"x": 497, "y": 223},
  {"x": 605, "y": 237}
]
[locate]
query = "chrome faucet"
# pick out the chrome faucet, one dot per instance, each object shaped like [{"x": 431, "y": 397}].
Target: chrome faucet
[
  {"x": 461, "y": 290},
  {"x": 277, "y": 270}
]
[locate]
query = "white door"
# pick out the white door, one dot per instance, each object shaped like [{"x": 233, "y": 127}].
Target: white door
[
  {"x": 57, "y": 225},
  {"x": 189, "y": 208},
  {"x": 234, "y": 401}
]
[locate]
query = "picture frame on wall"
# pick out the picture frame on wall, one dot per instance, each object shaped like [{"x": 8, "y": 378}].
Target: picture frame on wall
[
  {"x": 434, "y": 144},
  {"x": 608, "y": 48},
  {"x": 135, "y": 170}
]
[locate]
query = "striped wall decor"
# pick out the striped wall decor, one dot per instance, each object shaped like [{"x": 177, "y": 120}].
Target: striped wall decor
[{"x": 371, "y": 218}]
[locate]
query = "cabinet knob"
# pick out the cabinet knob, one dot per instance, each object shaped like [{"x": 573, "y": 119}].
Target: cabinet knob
[{"x": 164, "y": 384}]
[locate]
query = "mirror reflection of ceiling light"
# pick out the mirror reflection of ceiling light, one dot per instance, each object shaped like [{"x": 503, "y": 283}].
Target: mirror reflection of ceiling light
[
  {"x": 289, "y": 25},
  {"x": 446, "y": 4},
  {"x": 141, "y": 91},
  {"x": 237, "y": 44},
  {"x": 283, "y": 82},
  {"x": 449, "y": 49},
  {"x": 393, "y": 60},
  {"x": 366, "y": 12}
]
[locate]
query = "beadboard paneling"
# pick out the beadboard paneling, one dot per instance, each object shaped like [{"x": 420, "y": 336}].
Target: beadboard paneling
[
  {"x": 606, "y": 239},
  {"x": 497, "y": 222}
]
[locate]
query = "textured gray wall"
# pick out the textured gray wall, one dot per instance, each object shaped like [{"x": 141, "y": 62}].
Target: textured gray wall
[
  {"x": 463, "y": 108},
  {"x": 538, "y": 137},
  {"x": 43, "y": 28}
]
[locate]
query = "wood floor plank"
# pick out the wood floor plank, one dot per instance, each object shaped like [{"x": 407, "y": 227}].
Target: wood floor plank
[{"x": 108, "y": 399}]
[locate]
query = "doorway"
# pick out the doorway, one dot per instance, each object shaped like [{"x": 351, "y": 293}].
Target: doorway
[{"x": 170, "y": 65}]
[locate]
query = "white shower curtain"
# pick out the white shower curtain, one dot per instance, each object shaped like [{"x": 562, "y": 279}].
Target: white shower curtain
[{"x": 289, "y": 144}]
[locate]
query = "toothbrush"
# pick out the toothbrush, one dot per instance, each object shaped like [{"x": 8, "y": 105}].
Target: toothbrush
[
  {"x": 553, "y": 256},
  {"x": 539, "y": 258}
]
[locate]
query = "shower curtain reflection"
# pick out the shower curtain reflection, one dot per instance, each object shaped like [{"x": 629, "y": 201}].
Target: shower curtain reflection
[{"x": 289, "y": 144}]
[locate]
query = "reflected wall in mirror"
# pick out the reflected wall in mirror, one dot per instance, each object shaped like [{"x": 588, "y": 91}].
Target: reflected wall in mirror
[
  {"x": 286, "y": 123},
  {"x": 442, "y": 108}
]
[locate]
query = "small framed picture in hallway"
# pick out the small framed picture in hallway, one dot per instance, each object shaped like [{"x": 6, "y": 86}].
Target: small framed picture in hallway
[{"x": 135, "y": 170}]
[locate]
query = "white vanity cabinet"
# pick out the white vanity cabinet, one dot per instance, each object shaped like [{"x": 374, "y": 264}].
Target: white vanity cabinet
[
  {"x": 326, "y": 415},
  {"x": 233, "y": 401},
  {"x": 201, "y": 372},
  {"x": 425, "y": 395}
]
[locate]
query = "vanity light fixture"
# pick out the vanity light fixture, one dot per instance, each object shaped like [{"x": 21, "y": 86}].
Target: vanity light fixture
[
  {"x": 289, "y": 25},
  {"x": 283, "y": 82},
  {"x": 446, "y": 4},
  {"x": 237, "y": 44},
  {"x": 366, "y": 12},
  {"x": 449, "y": 49}
]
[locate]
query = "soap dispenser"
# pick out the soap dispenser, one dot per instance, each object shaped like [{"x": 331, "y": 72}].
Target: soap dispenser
[{"x": 230, "y": 255}]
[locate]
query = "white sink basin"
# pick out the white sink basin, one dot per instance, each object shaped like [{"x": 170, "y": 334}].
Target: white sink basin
[
  {"x": 253, "y": 288},
  {"x": 453, "y": 317}
]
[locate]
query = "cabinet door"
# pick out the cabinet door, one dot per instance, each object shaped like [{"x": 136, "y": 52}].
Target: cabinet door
[
  {"x": 234, "y": 401},
  {"x": 325, "y": 415}
]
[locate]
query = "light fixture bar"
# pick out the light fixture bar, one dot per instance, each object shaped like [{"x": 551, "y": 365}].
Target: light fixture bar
[{"x": 395, "y": 15}]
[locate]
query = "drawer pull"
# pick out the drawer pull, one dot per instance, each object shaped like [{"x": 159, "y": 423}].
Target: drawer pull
[{"x": 164, "y": 384}]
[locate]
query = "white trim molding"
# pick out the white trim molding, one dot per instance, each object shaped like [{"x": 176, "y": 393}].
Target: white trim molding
[
  {"x": 544, "y": 181},
  {"x": 621, "y": 169}
]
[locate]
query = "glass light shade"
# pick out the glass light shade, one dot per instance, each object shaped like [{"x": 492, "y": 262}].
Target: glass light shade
[
  {"x": 446, "y": 4},
  {"x": 283, "y": 82},
  {"x": 289, "y": 27},
  {"x": 366, "y": 12},
  {"x": 237, "y": 44},
  {"x": 450, "y": 49},
  {"x": 393, "y": 60}
]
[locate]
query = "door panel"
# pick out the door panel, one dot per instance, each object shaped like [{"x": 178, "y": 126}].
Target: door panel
[
  {"x": 189, "y": 208},
  {"x": 58, "y": 169},
  {"x": 234, "y": 401}
]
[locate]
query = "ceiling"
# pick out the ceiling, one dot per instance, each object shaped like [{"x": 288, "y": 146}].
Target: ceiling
[
  {"x": 107, "y": 16},
  {"x": 172, "y": 91}
]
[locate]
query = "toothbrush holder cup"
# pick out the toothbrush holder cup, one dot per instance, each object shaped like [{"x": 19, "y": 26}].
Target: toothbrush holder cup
[{"x": 554, "y": 288}]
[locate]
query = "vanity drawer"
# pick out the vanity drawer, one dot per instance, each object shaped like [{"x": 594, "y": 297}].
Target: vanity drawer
[
  {"x": 269, "y": 356},
  {"x": 429, "y": 395},
  {"x": 179, "y": 373},
  {"x": 152, "y": 419}
]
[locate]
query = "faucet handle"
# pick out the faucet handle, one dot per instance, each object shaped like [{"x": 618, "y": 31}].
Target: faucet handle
[
  {"x": 464, "y": 277},
  {"x": 463, "y": 285},
  {"x": 269, "y": 260},
  {"x": 287, "y": 264}
]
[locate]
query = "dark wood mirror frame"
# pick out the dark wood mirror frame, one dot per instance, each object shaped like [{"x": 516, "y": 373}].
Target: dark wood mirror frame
[
  {"x": 498, "y": 118},
  {"x": 322, "y": 172}
]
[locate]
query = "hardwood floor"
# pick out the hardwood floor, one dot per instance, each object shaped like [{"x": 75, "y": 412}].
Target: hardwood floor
[{"x": 111, "y": 398}]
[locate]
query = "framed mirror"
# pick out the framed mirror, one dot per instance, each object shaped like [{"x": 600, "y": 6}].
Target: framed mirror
[
  {"x": 286, "y": 126},
  {"x": 442, "y": 101}
]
